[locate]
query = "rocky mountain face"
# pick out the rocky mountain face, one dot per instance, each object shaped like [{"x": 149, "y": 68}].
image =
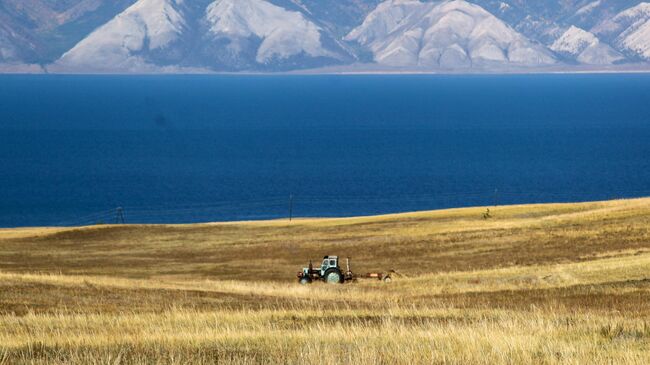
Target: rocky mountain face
[
  {"x": 544, "y": 20},
  {"x": 284, "y": 35},
  {"x": 616, "y": 28},
  {"x": 584, "y": 47},
  {"x": 448, "y": 35},
  {"x": 629, "y": 31}
]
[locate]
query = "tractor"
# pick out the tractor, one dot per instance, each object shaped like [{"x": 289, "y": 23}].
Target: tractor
[{"x": 330, "y": 272}]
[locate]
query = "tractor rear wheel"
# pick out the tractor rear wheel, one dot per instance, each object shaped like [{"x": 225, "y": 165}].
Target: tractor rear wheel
[
  {"x": 333, "y": 276},
  {"x": 305, "y": 280}
]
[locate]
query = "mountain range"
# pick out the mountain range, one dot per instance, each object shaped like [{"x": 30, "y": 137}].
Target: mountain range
[{"x": 142, "y": 36}]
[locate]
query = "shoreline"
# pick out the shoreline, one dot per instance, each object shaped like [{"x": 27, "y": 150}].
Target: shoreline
[
  {"x": 299, "y": 220},
  {"x": 349, "y": 70}
]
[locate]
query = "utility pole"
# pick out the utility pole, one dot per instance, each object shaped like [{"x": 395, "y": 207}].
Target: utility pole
[
  {"x": 290, "y": 207},
  {"x": 496, "y": 196},
  {"x": 119, "y": 215}
]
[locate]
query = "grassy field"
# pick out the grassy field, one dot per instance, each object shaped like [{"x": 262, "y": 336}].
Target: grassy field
[{"x": 542, "y": 284}]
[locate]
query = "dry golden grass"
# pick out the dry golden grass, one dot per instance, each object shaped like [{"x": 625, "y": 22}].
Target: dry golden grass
[{"x": 545, "y": 284}]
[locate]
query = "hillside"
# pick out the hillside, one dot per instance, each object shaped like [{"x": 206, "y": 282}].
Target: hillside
[
  {"x": 447, "y": 35},
  {"x": 556, "y": 283},
  {"x": 177, "y": 36}
]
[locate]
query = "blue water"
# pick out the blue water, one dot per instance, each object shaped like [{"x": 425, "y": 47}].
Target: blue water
[{"x": 214, "y": 148}]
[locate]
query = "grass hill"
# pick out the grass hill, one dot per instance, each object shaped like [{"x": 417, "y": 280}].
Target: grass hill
[{"x": 547, "y": 284}]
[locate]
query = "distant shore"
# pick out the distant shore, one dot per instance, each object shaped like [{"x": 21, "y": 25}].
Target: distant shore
[
  {"x": 474, "y": 211},
  {"x": 356, "y": 69}
]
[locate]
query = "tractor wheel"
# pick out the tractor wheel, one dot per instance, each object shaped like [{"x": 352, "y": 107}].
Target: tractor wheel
[
  {"x": 305, "y": 280},
  {"x": 333, "y": 276},
  {"x": 387, "y": 279}
]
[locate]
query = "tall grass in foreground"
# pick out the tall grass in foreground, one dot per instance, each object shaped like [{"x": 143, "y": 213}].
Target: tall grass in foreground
[{"x": 394, "y": 335}]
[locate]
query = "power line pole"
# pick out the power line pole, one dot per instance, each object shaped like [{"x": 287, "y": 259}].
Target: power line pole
[
  {"x": 496, "y": 196},
  {"x": 119, "y": 215},
  {"x": 290, "y": 207}
]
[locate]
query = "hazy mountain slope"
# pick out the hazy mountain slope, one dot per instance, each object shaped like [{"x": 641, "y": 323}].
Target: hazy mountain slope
[
  {"x": 588, "y": 13},
  {"x": 584, "y": 47},
  {"x": 16, "y": 45},
  {"x": 340, "y": 16},
  {"x": 44, "y": 29},
  {"x": 526, "y": 17},
  {"x": 47, "y": 14},
  {"x": 545, "y": 21},
  {"x": 629, "y": 30},
  {"x": 548, "y": 22},
  {"x": 10, "y": 44},
  {"x": 449, "y": 34}
]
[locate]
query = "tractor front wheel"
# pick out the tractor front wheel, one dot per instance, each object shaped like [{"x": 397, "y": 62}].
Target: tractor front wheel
[
  {"x": 305, "y": 280},
  {"x": 333, "y": 276}
]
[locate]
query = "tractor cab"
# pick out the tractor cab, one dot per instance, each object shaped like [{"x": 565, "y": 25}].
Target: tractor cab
[{"x": 329, "y": 262}]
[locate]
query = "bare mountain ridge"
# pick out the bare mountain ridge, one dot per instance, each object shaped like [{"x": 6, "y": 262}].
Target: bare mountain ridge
[{"x": 285, "y": 35}]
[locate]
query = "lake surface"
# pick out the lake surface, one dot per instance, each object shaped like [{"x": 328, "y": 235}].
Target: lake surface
[{"x": 216, "y": 148}]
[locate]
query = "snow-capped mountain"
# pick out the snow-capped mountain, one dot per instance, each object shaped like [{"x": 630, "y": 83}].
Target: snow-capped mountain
[
  {"x": 285, "y": 35},
  {"x": 629, "y": 30},
  {"x": 217, "y": 35},
  {"x": 546, "y": 21},
  {"x": 282, "y": 33},
  {"x": 125, "y": 42},
  {"x": 585, "y": 48},
  {"x": 448, "y": 34}
]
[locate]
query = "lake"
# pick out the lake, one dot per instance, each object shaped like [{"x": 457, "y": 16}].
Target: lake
[{"x": 176, "y": 149}]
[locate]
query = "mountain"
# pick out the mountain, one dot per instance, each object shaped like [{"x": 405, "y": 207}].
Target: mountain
[
  {"x": 263, "y": 35},
  {"x": 39, "y": 31},
  {"x": 285, "y": 35},
  {"x": 219, "y": 35},
  {"x": 132, "y": 37},
  {"x": 545, "y": 21},
  {"x": 9, "y": 45},
  {"x": 450, "y": 34},
  {"x": 340, "y": 16},
  {"x": 584, "y": 47},
  {"x": 629, "y": 30}
]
